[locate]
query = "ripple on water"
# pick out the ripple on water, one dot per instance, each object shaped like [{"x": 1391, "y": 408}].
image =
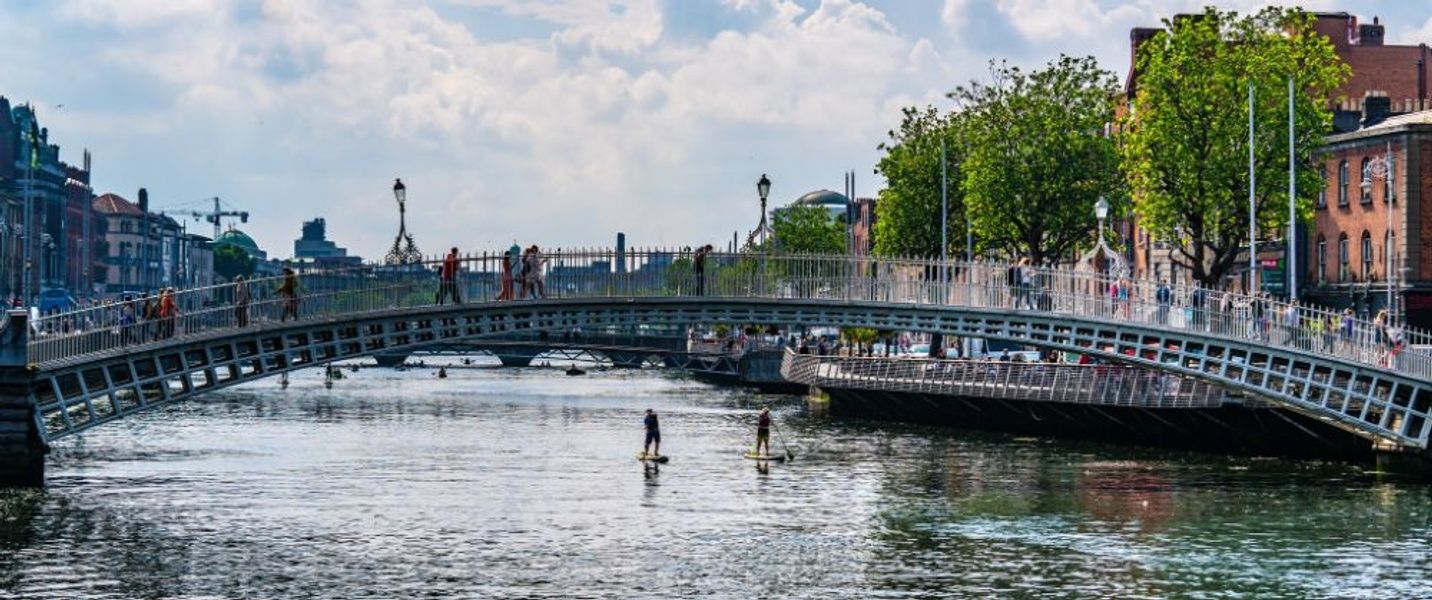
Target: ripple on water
[{"x": 503, "y": 483}]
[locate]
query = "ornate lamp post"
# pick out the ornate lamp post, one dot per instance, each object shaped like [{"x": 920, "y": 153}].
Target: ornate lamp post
[
  {"x": 404, "y": 251},
  {"x": 763, "y": 187},
  {"x": 1381, "y": 167}
]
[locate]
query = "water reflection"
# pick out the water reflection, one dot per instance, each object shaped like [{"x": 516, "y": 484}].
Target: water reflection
[{"x": 518, "y": 483}]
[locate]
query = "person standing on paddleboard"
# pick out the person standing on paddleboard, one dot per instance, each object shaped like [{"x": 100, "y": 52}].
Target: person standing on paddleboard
[
  {"x": 653, "y": 433},
  {"x": 763, "y": 432}
]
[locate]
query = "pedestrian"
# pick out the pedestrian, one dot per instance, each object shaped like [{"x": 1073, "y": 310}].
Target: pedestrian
[
  {"x": 1026, "y": 282},
  {"x": 168, "y": 312},
  {"x": 447, "y": 278},
  {"x": 288, "y": 295},
  {"x": 149, "y": 314},
  {"x": 242, "y": 298},
  {"x": 763, "y": 432},
  {"x": 698, "y": 264},
  {"x": 1291, "y": 320},
  {"x": 1163, "y": 295},
  {"x": 1347, "y": 325},
  {"x": 653, "y": 435},
  {"x": 1013, "y": 277},
  {"x": 533, "y": 264}
]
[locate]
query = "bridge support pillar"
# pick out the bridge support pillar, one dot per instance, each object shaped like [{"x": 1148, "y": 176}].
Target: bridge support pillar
[
  {"x": 517, "y": 357},
  {"x": 22, "y": 451},
  {"x": 1400, "y": 462}
]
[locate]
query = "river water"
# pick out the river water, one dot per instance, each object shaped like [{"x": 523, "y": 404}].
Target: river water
[{"x": 523, "y": 483}]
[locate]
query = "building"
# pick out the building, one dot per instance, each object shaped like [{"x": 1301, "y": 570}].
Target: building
[
  {"x": 314, "y": 249},
  {"x": 263, "y": 267},
  {"x": 1387, "y": 79},
  {"x": 31, "y": 177},
  {"x": 1368, "y": 236},
  {"x": 79, "y": 230},
  {"x": 144, "y": 251},
  {"x": 863, "y": 230}
]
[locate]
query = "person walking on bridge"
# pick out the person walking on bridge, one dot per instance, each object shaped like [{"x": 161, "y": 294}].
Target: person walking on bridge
[
  {"x": 447, "y": 285},
  {"x": 288, "y": 294},
  {"x": 698, "y": 262},
  {"x": 242, "y": 298},
  {"x": 1164, "y": 296},
  {"x": 168, "y": 313}
]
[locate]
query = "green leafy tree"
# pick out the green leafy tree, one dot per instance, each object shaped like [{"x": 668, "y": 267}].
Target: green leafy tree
[
  {"x": 909, "y": 205},
  {"x": 1037, "y": 156},
  {"x": 231, "y": 261},
  {"x": 1184, "y": 143},
  {"x": 808, "y": 229}
]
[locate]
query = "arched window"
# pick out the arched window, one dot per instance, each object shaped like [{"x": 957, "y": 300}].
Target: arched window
[
  {"x": 1342, "y": 257},
  {"x": 1342, "y": 184},
  {"x": 1366, "y": 256},
  {"x": 1322, "y": 272},
  {"x": 1366, "y": 192},
  {"x": 1323, "y": 190}
]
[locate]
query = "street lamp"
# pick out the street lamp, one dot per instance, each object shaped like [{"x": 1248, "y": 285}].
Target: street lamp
[
  {"x": 1381, "y": 167},
  {"x": 763, "y": 187},
  {"x": 404, "y": 251}
]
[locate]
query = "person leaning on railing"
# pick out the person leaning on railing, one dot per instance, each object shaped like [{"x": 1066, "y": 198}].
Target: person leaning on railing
[
  {"x": 242, "y": 297},
  {"x": 288, "y": 293}
]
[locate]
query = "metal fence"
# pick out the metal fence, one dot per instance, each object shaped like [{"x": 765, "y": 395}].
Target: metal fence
[
  {"x": 599, "y": 274},
  {"x": 1105, "y": 385}
]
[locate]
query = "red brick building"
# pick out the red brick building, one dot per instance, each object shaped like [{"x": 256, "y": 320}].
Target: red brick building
[
  {"x": 1391, "y": 78},
  {"x": 1369, "y": 234}
]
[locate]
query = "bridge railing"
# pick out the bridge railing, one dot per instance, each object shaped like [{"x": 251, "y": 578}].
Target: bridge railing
[
  {"x": 1105, "y": 385},
  {"x": 491, "y": 277}
]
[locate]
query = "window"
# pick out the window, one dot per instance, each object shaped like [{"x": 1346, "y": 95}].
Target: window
[
  {"x": 1342, "y": 257},
  {"x": 1387, "y": 181},
  {"x": 1322, "y": 272},
  {"x": 1323, "y": 191},
  {"x": 1366, "y": 256},
  {"x": 1366, "y": 192},
  {"x": 1342, "y": 184}
]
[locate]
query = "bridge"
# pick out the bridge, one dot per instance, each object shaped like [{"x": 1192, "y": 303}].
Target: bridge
[{"x": 65, "y": 373}]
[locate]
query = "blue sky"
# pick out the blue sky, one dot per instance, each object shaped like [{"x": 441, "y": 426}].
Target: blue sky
[{"x": 545, "y": 121}]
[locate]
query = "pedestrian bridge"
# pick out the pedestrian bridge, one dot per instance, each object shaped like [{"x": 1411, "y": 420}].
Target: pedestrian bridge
[{"x": 75, "y": 370}]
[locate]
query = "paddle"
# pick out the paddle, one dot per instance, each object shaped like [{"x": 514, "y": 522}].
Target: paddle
[{"x": 789, "y": 455}]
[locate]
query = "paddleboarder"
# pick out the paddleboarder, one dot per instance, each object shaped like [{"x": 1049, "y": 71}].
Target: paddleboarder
[
  {"x": 653, "y": 433},
  {"x": 763, "y": 432}
]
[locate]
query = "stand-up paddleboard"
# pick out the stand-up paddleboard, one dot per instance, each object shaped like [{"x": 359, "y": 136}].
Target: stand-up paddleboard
[
  {"x": 656, "y": 458},
  {"x": 765, "y": 457}
]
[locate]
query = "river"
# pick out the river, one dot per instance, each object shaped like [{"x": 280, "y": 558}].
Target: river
[{"x": 523, "y": 483}]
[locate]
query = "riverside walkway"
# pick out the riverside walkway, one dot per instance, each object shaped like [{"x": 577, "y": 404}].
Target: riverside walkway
[{"x": 75, "y": 370}]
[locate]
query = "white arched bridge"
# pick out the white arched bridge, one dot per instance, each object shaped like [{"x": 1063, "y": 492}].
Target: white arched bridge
[{"x": 67, "y": 372}]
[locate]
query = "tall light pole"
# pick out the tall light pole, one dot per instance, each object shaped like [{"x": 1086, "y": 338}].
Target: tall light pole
[
  {"x": 1291, "y": 246},
  {"x": 944, "y": 215},
  {"x": 1252, "y": 203},
  {"x": 1382, "y": 168}
]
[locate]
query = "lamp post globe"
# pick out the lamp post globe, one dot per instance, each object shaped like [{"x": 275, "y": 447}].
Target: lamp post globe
[
  {"x": 400, "y": 191},
  {"x": 763, "y": 187},
  {"x": 1101, "y": 209}
]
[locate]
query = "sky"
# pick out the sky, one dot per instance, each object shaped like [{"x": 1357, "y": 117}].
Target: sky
[{"x": 554, "y": 122}]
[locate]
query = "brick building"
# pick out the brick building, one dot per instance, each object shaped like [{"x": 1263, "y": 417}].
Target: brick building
[
  {"x": 1369, "y": 234},
  {"x": 1386, "y": 79}
]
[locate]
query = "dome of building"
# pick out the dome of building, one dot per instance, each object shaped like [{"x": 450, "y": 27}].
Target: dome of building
[
  {"x": 824, "y": 198},
  {"x": 242, "y": 241}
]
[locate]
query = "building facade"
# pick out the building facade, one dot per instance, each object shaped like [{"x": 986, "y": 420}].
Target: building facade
[
  {"x": 1386, "y": 80},
  {"x": 1367, "y": 247},
  {"x": 313, "y": 249},
  {"x": 145, "y": 251}
]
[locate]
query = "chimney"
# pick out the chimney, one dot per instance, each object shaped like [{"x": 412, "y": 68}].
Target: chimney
[
  {"x": 621, "y": 252},
  {"x": 1371, "y": 35},
  {"x": 143, "y": 200},
  {"x": 1375, "y": 109}
]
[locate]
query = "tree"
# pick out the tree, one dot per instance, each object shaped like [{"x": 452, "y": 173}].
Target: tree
[
  {"x": 1037, "y": 157},
  {"x": 232, "y": 261},
  {"x": 808, "y": 229},
  {"x": 909, "y": 205},
  {"x": 1184, "y": 142}
]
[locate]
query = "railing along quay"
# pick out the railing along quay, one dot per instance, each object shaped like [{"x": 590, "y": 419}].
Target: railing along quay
[
  {"x": 1105, "y": 385},
  {"x": 606, "y": 274}
]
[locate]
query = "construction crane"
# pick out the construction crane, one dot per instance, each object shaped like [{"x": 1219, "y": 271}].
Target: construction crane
[{"x": 219, "y": 214}]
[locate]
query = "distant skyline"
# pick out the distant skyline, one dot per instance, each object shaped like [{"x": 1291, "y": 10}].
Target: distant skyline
[{"x": 551, "y": 122}]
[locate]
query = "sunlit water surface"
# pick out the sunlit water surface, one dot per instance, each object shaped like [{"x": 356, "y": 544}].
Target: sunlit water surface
[{"x": 523, "y": 483}]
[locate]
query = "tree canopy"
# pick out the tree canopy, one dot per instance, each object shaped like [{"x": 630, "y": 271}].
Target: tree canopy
[
  {"x": 909, "y": 205},
  {"x": 808, "y": 229},
  {"x": 231, "y": 261},
  {"x": 1184, "y": 141},
  {"x": 1037, "y": 156}
]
